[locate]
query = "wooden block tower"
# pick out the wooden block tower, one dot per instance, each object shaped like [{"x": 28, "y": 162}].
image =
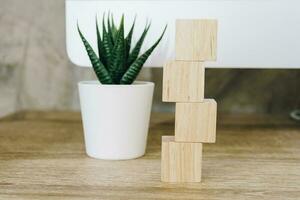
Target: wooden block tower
[{"x": 195, "y": 118}]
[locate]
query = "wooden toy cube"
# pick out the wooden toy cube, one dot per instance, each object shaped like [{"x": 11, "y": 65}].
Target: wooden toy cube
[
  {"x": 196, "y": 40},
  {"x": 183, "y": 81},
  {"x": 181, "y": 162},
  {"x": 196, "y": 122}
]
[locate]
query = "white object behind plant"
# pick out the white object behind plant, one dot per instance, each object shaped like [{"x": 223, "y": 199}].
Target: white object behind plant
[{"x": 252, "y": 33}]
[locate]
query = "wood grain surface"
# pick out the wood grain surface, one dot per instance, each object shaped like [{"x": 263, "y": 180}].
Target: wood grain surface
[
  {"x": 196, "y": 40},
  {"x": 42, "y": 157},
  {"x": 180, "y": 161},
  {"x": 183, "y": 81},
  {"x": 196, "y": 122}
]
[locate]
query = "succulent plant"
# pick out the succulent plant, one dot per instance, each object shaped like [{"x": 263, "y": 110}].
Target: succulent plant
[{"x": 117, "y": 63}]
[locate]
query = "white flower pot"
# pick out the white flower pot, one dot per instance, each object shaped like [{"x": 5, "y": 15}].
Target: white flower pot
[{"x": 115, "y": 119}]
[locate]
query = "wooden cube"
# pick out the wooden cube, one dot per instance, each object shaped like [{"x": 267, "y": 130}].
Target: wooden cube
[
  {"x": 196, "y": 122},
  {"x": 183, "y": 81},
  {"x": 181, "y": 162},
  {"x": 196, "y": 40}
]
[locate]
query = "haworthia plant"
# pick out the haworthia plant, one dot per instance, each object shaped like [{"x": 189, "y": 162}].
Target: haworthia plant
[{"x": 118, "y": 63}]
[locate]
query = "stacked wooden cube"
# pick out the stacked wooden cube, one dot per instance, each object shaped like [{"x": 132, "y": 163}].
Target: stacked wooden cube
[{"x": 195, "y": 118}]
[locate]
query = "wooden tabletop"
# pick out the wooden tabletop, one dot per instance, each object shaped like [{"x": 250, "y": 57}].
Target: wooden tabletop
[{"x": 42, "y": 157}]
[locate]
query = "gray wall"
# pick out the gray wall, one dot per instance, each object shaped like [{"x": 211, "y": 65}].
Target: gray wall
[{"x": 35, "y": 73}]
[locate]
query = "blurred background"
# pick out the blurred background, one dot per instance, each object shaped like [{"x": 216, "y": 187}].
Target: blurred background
[{"x": 35, "y": 73}]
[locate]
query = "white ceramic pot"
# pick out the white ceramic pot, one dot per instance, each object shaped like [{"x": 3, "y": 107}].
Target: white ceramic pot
[{"x": 115, "y": 119}]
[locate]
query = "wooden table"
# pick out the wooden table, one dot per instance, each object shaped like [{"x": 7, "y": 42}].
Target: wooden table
[{"x": 42, "y": 157}]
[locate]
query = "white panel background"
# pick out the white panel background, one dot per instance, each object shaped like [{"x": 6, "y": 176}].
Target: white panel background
[{"x": 252, "y": 33}]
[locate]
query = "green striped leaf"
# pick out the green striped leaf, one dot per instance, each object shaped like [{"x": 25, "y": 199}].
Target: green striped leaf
[
  {"x": 137, "y": 65},
  {"x": 110, "y": 30},
  {"x": 107, "y": 43},
  {"x": 129, "y": 39},
  {"x": 118, "y": 55},
  {"x": 98, "y": 67},
  {"x": 136, "y": 50},
  {"x": 114, "y": 30},
  {"x": 101, "y": 50}
]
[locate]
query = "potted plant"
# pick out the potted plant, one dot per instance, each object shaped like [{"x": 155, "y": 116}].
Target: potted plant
[{"x": 116, "y": 109}]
